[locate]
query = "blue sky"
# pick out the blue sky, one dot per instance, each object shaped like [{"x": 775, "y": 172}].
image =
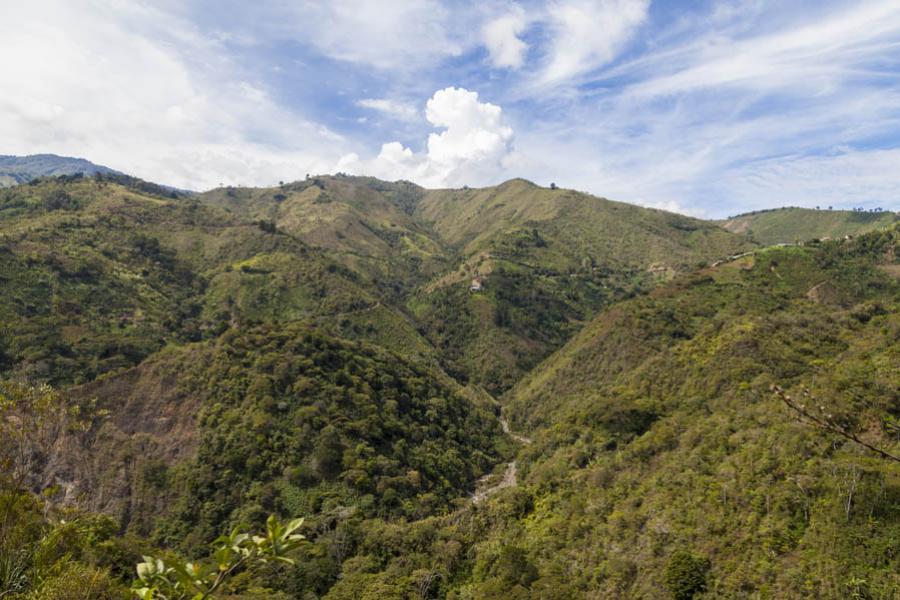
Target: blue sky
[{"x": 707, "y": 108}]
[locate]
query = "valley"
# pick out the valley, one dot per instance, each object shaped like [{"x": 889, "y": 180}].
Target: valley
[{"x": 595, "y": 410}]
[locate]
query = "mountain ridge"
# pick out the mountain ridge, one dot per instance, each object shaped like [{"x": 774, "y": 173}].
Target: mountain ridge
[{"x": 15, "y": 170}]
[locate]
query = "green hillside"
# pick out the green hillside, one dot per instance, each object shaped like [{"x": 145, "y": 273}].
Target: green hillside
[
  {"x": 316, "y": 350},
  {"x": 792, "y": 225},
  {"x": 655, "y": 432},
  {"x": 662, "y": 465},
  {"x": 98, "y": 276},
  {"x": 547, "y": 259}
]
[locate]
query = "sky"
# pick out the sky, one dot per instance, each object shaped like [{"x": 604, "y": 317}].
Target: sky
[{"x": 708, "y": 108}]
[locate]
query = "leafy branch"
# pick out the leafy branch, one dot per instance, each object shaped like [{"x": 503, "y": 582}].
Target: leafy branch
[{"x": 159, "y": 580}]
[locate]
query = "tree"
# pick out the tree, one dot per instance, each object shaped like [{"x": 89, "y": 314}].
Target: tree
[
  {"x": 685, "y": 575},
  {"x": 58, "y": 200},
  {"x": 32, "y": 419},
  {"x": 328, "y": 453},
  {"x": 173, "y": 580},
  {"x": 267, "y": 226}
]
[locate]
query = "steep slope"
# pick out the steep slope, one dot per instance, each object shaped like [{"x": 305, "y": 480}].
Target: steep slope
[
  {"x": 791, "y": 225},
  {"x": 661, "y": 464},
  {"x": 656, "y": 431},
  {"x": 22, "y": 169},
  {"x": 217, "y": 352},
  {"x": 274, "y": 418},
  {"x": 547, "y": 261},
  {"x": 652, "y": 456},
  {"x": 97, "y": 276},
  {"x": 580, "y": 226},
  {"x": 363, "y": 223}
]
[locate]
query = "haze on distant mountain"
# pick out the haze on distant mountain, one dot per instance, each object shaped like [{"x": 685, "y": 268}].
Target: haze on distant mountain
[{"x": 22, "y": 169}]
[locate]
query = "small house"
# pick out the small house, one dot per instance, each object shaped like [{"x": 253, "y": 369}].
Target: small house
[{"x": 476, "y": 285}]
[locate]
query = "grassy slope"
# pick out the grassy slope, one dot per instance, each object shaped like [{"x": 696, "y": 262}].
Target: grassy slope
[
  {"x": 790, "y": 225},
  {"x": 576, "y": 226},
  {"x": 548, "y": 259},
  {"x": 361, "y": 222}
]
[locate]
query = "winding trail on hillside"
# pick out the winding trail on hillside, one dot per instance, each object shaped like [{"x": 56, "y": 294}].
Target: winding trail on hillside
[{"x": 483, "y": 488}]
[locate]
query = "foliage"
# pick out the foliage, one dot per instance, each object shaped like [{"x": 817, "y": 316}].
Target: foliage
[
  {"x": 47, "y": 552},
  {"x": 173, "y": 580},
  {"x": 301, "y": 422},
  {"x": 686, "y": 575}
]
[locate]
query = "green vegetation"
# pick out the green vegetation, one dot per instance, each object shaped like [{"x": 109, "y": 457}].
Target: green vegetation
[
  {"x": 686, "y": 575},
  {"x": 219, "y": 363},
  {"x": 795, "y": 225},
  {"x": 158, "y": 579}
]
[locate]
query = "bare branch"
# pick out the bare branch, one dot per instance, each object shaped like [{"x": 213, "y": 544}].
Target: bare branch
[{"x": 827, "y": 422}]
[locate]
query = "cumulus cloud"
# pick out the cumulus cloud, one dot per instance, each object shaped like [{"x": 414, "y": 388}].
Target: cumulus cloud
[
  {"x": 394, "y": 108},
  {"x": 135, "y": 88},
  {"x": 501, "y": 37},
  {"x": 471, "y": 149},
  {"x": 588, "y": 34}
]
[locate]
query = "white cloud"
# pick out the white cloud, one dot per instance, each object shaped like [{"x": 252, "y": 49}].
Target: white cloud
[
  {"x": 588, "y": 34},
  {"x": 735, "y": 115},
  {"x": 471, "y": 149},
  {"x": 848, "y": 178},
  {"x": 394, "y": 108},
  {"x": 384, "y": 34},
  {"x": 811, "y": 58},
  {"x": 132, "y": 87},
  {"x": 501, "y": 37}
]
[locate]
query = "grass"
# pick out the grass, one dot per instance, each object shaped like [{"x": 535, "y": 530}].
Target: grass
[{"x": 792, "y": 225}]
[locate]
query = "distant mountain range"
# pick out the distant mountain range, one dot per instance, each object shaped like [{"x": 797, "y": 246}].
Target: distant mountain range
[{"x": 22, "y": 169}]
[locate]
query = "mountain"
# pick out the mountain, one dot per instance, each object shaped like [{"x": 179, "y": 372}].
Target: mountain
[
  {"x": 98, "y": 275},
  {"x": 656, "y": 431},
  {"x": 546, "y": 260},
  {"x": 22, "y": 169},
  {"x": 661, "y": 465},
  {"x": 792, "y": 225},
  {"x": 341, "y": 348}
]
